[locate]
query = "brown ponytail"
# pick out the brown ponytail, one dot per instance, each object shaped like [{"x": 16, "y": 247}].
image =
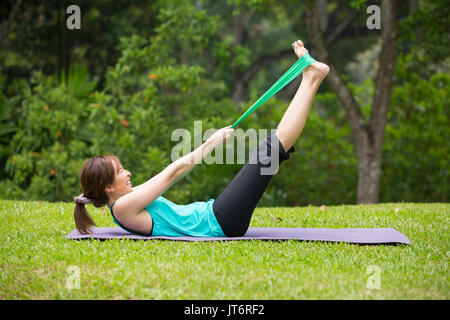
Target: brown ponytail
[
  {"x": 83, "y": 220},
  {"x": 96, "y": 174}
]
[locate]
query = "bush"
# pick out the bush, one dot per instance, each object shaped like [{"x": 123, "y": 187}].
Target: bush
[{"x": 49, "y": 138}]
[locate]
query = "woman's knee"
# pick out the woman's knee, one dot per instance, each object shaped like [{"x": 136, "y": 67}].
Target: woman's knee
[
  {"x": 238, "y": 231},
  {"x": 283, "y": 140}
]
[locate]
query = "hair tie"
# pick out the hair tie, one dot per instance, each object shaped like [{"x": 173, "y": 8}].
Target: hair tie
[{"x": 81, "y": 199}]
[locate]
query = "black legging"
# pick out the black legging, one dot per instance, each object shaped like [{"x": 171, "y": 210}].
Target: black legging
[{"x": 234, "y": 207}]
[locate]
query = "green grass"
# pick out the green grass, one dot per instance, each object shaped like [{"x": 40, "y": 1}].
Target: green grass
[{"x": 35, "y": 257}]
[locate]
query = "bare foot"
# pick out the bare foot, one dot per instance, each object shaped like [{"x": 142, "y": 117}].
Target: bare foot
[{"x": 316, "y": 70}]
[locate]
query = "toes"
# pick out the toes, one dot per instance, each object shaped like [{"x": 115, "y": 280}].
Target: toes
[
  {"x": 300, "y": 51},
  {"x": 298, "y": 43},
  {"x": 299, "y": 48}
]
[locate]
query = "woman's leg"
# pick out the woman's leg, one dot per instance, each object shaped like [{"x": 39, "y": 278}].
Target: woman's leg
[
  {"x": 234, "y": 207},
  {"x": 294, "y": 119}
]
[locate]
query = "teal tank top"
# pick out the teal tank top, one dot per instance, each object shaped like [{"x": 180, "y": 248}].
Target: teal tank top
[{"x": 196, "y": 219}]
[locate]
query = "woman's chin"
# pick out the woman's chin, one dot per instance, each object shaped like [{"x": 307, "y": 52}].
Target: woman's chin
[{"x": 128, "y": 189}]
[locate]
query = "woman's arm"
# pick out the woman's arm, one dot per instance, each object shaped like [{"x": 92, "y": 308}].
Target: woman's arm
[{"x": 146, "y": 193}]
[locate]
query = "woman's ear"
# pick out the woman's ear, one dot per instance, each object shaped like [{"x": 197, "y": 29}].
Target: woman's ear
[{"x": 109, "y": 188}]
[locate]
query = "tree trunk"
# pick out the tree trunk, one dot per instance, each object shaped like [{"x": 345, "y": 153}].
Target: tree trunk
[
  {"x": 240, "y": 87},
  {"x": 381, "y": 100},
  {"x": 369, "y": 173},
  {"x": 368, "y": 138}
]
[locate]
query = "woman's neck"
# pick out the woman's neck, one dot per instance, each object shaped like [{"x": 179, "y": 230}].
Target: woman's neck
[{"x": 111, "y": 201}]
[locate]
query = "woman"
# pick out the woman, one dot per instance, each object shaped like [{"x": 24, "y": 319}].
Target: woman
[{"x": 144, "y": 211}]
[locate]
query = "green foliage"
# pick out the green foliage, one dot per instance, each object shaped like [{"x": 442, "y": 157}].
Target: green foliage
[
  {"x": 181, "y": 70},
  {"x": 240, "y": 6},
  {"x": 39, "y": 39},
  {"x": 416, "y": 149},
  {"x": 358, "y": 4},
  {"x": 424, "y": 33},
  {"x": 8, "y": 123},
  {"x": 48, "y": 141},
  {"x": 148, "y": 93}
]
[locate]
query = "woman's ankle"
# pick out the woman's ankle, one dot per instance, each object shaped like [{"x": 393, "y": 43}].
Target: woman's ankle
[{"x": 317, "y": 71}]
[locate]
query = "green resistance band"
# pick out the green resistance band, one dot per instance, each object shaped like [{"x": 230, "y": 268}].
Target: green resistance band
[{"x": 290, "y": 75}]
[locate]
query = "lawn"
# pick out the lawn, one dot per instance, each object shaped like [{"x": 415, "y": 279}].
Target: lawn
[{"x": 37, "y": 262}]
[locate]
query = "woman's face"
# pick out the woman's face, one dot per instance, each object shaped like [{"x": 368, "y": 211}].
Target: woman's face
[{"x": 122, "y": 183}]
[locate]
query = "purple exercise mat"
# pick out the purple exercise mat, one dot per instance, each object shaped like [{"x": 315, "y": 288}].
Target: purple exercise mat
[{"x": 351, "y": 235}]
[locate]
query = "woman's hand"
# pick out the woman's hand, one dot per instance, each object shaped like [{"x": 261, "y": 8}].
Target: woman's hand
[{"x": 220, "y": 136}]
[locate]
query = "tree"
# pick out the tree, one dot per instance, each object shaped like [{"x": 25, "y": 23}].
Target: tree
[{"x": 368, "y": 137}]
